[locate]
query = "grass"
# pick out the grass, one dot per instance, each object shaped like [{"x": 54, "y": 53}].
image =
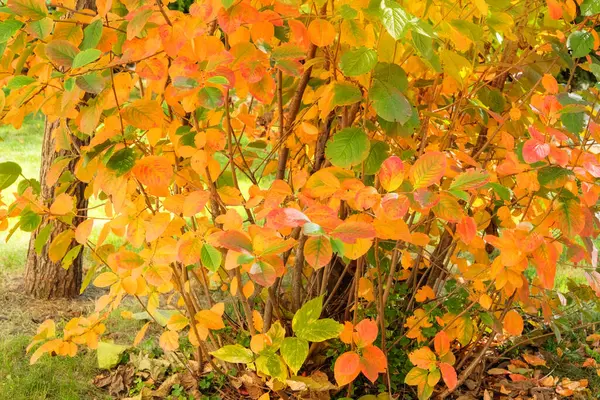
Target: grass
[
  {"x": 50, "y": 378},
  {"x": 24, "y": 147}
]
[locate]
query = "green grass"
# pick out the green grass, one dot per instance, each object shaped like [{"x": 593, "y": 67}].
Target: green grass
[
  {"x": 24, "y": 147},
  {"x": 55, "y": 378}
]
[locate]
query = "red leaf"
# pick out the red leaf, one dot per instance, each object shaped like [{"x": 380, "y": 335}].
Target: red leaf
[
  {"x": 349, "y": 231},
  {"x": 372, "y": 362},
  {"x": 534, "y": 151},
  {"x": 347, "y": 367},
  {"x": 449, "y": 375},
  {"x": 286, "y": 218},
  {"x": 466, "y": 229}
]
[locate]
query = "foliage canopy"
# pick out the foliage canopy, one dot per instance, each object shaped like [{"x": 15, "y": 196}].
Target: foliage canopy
[{"x": 281, "y": 168}]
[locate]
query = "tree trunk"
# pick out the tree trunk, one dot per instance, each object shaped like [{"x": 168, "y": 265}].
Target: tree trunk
[{"x": 45, "y": 279}]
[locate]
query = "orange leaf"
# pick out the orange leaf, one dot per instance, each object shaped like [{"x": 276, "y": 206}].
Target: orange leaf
[
  {"x": 286, "y": 218},
  {"x": 549, "y": 83},
  {"x": 63, "y": 204},
  {"x": 513, "y": 323},
  {"x": 373, "y": 362},
  {"x": 347, "y": 367},
  {"x": 317, "y": 251},
  {"x": 441, "y": 343},
  {"x": 366, "y": 333},
  {"x": 143, "y": 114},
  {"x": 534, "y": 360},
  {"x": 449, "y": 375},
  {"x": 321, "y": 32},
  {"x": 346, "y": 334},
  {"x": 424, "y": 293},
  {"x": 140, "y": 335},
  {"x": 156, "y": 173}
]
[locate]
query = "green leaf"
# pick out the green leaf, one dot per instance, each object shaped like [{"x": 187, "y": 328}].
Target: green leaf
[
  {"x": 320, "y": 330},
  {"x": 109, "y": 354},
  {"x": 91, "y": 35},
  {"x": 377, "y": 155},
  {"x": 234, "y": 354},
  {"x": 8, "y": 28},
  {"x": 211, "y": 97},
  {"x": 91, "y": 83},
  {"x": 574, "y": 122},
  {"x": 345, "y": 93},
  {"x": 42, "y": 238},
  {"x": 9, "y": 173},
  {"x": 218, "y": 80},
  {"x": 19, "y": 81},
  {"x": 61, "y": 52},
  {"x": 210, "y": 257},
  {"x": 580, "y": 43},
  {"x": 29, "y": 221},
  {"x": 391, "y": 74},
  {"x": 276, "y": 333},
  {"x": 294, "y": 352},
  {"x": 389, "y": 103},
  {"x": 272, "y": 365},
  {"x": 470, "y": 180},
  {"x": 349, "y": 147},
  {"x": 358, "y": 62},
  {"x": 456, "y": 65},
  {"x": 590, "y": 7},
  {"x": 71, "y": 256},
  {"x": 459, "y": 194},
  {"x": 122, "y": 161},
  {"x": 85, "y": 57},
  {"x": 310, "y": 311},
  {"x": 395, "y": 19},
  {"x": 552, "y": 174},
  {"x": 42, "y": 28},
  {"x": 502, "y": 191}
]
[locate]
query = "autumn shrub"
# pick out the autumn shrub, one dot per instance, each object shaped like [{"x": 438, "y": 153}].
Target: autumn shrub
[{"x": 339, "y": 197}]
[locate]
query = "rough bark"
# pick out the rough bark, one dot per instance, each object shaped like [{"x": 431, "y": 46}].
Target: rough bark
[{"x": 45, "y": 279}]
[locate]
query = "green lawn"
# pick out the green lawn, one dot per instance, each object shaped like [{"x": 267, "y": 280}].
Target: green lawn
[
  {"x": 23, "y": 147},
  {"x": 57, "y": 378}
]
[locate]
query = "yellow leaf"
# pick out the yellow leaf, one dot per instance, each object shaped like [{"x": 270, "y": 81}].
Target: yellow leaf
[
  {"x": 60, "y": 245},
  {"x": 365, "y": 289},
  {"x": 83, "y": 231},
  {"x": 248, "y": 289},
  {"x": 63, "y": 204}
]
